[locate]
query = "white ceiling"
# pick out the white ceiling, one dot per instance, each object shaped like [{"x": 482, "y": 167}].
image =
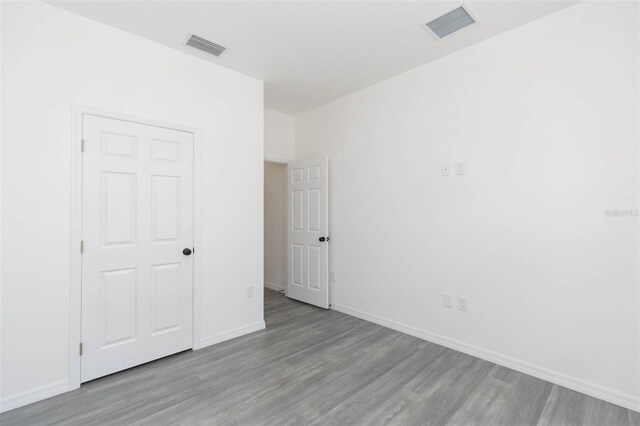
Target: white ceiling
[{"x": 311, "y": 52}]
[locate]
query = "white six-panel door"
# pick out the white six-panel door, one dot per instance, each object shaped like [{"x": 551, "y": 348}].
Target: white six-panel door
[
  {"x": 137, "y": 284},
  {"x": 308, "y": 231}
]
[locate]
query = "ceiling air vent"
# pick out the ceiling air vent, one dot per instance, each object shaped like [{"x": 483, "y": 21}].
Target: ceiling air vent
[
  {"x": 450, "y": 22},
  {"x": 205, "y": 45}
]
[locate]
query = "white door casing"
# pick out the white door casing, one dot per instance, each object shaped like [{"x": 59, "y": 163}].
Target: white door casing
[
  {"x": 307, "y": 226},
  {"x": 137, "y": 217}
]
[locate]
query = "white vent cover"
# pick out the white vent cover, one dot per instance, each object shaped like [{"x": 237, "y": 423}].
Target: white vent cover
[
  {"x": 450, "y": 22},
  {"x": 205, "y": 45}
]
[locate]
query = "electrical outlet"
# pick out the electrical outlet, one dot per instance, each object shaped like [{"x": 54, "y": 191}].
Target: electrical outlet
[
  {"x": 459, "y": 168},
  {"x": 463, "y": 304},
  {"x": 249, "y": 292},
  {"x": 333, "y": 277},
  {"x": 444, "y": 169},
  {"x": 447, "y": 300}
]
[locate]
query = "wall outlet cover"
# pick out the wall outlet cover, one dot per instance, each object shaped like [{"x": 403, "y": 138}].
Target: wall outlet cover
[{"x": 463, "y": 304}]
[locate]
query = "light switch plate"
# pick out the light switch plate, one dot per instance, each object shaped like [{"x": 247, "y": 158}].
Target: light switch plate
[
  {"x": 459, "y": 168},
  {"x": 444, "y": 169}
]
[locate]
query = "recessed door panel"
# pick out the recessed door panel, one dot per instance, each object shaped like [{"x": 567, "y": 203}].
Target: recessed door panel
[
  {"x": 165, "y": 205},
  {"x": 118, "y": 145},
  {"x": 297, "y": 175},
  {"x": 297, "y": 210},
  {"x": 315, "y": 206},
  {"x": 118, "y": 208},
  {"x": 315, "y": 172},
  {"x": 137, "y": 285},
  {"x": 165, "y": 150},
  {"x": 314, "y": 261},
  {"x": 165, "y": 287},
  {"x": 119, "y": 306},
  {"x": 297, "y": 266}
]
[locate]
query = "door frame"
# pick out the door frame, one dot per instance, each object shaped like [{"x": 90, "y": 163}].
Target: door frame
[{"x": 75, "y": 288}]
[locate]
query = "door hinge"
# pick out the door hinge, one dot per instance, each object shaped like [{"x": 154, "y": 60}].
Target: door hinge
[
  {"x": 82, "y": 145},
  {"x": 81, "y": 246},
  {"x": 80, "y": 348}
]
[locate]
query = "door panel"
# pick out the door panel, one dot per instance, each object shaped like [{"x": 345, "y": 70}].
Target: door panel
[
  {"x": 165, "y": 286},
  {"x": 119, "y": 306},
  {"x": 137, "y": 285},
  {"x": 118, "y": 208},
  {"x": 307, "y": 222},
  {"x": 297, "y": 269},
  {"x": 165, "y": 208}
]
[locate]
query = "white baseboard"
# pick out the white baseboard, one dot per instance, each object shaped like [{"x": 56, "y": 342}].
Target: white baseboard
[
  {"x": 272, "y": 286},
  {"x": 230, "y": 334},
  {"x": 33, "y": 395},
  {"x": 579, "y": 385}
]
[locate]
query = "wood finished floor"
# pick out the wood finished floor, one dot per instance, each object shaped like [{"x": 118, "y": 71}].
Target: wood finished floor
[{"x": 313, "y": 367}]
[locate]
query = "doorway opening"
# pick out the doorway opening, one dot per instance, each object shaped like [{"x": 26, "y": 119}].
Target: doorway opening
[{"x": 275, "y": 232}]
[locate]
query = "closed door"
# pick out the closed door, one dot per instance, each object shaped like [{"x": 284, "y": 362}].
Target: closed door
[
  {"x": 308, "y": 231},
  {"x": 137, "y": 283}
]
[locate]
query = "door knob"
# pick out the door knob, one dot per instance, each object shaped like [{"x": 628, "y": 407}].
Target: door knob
[
  {"x": 323, "y": 239},
  {"x": 186, "y": 251}
]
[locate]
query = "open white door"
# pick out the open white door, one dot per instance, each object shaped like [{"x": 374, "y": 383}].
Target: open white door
[
  {"x": 308, "y": 231},
  {"x": 137, "y": 232}
]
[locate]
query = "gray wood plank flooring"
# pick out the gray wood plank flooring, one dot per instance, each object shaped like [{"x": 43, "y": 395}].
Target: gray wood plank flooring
[{"x": 317, "y": 367}]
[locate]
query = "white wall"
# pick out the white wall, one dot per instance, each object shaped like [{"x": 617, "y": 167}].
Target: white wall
[
  {"x": 274, "y": 225},
  {"x": 51, "y": 59},
  {"x": 278, "y": 136},
  {"x": 546, "y": 119}
]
